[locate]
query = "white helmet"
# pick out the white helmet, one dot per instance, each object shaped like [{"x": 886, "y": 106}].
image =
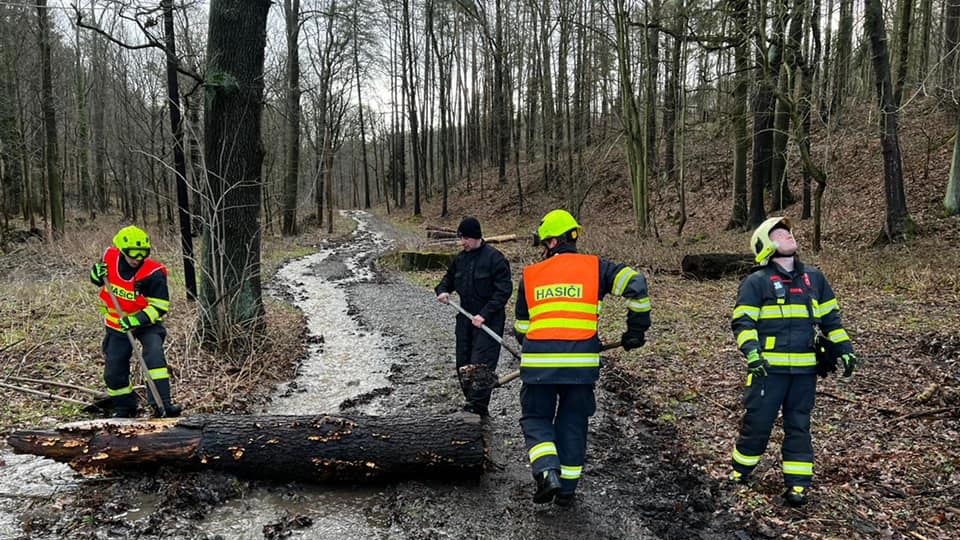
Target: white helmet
[{"x": 763, "y": 247}]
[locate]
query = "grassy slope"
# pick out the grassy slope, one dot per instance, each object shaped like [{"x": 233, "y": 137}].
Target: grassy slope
[{"x": 878, "y": 471}]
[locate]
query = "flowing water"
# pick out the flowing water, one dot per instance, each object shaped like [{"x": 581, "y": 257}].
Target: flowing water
[
  {"x": 344, "y": 361},
  {"x": 347, "y": 362}
]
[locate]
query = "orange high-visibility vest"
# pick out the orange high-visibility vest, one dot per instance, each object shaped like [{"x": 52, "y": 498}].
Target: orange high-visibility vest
[
  {"x": 562, "y": 295},
  {"x": 124, "y": 289}
]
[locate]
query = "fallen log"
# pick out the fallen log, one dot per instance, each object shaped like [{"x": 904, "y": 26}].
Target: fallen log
[
  {"x": 715, "y": 265},
  {"x": 321, "y": 448}
]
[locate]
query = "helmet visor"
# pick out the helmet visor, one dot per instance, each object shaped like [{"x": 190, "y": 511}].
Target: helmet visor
[{"x": 137, "y": 253}]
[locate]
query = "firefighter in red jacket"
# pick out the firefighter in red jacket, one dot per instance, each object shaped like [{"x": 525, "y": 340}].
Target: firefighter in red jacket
[
  {"x": 779, "y": 307},
  {"x": 139, "y": 285},
  {"x": 558, "y": 304}
]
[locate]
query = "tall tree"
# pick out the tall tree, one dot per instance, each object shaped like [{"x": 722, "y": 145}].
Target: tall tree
[
  {"x": 291, "y": 179},
  {"x": 51, "y": 154},
  {"x": 179, "y": 156},
  {"x": 898, "y": 224},
  {"x": 232, "y": 298},
  {"x": 741, "y": 84}
]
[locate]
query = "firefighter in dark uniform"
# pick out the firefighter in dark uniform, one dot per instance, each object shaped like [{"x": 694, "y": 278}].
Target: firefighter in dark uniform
[
  {"x": 779, "y": 308},
  {"x": 481, "y": 276},
  {"x": 558, "y": 304},
  {"x": 139, "y": 285}
]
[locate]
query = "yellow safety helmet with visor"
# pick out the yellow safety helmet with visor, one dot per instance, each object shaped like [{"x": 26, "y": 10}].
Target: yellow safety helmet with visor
[
  {"x": 133, "y": 242},
  {"x": 557, "y": 224},
  {"x": 763, "y": 247}
]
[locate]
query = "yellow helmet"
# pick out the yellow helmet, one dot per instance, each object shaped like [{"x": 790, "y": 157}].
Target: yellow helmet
[
  {"x": 558, "y": 224},
  {"x": 763, "y": 247},
  {"x": 133, "y": 242}
]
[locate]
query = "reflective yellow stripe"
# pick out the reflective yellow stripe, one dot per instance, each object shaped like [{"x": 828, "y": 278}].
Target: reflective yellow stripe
[
  {"x": 748, "y": 461},
  {"x": 564, "y": 323},
  {"x": 119, "y": 391},
  {"x": 639, "y": 305},
  {"x": 159, "y": 373},
  {"x": 521, "y": 326},
  {"x": 822, "y": 309},
  {"x": 746, "y": 311},
  {"x": 159, "y": 303},
  {"x": 569, "y": 472},
  {"x": 152, "y": 314},
  {"x": 785, "y": 311},
  {"x": 623, "y": 278},
  {"x": 790, "y": 359},
  {"x": 560, "y": 360},
  {"x": 542, "y": 449},
  {"x": 746, "y": 336},
  {"x": 573, "y": 307},
  {"x": 799, "y": 468},
  {"x": 770, "y": 343},
  {"x": 838, "y": 336}
]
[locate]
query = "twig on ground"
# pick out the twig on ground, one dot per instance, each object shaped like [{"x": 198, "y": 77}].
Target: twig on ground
[
  {"x": 57, "y": 384},
  {"x": 43, "y": 394},
  {"x": 918, "y": 414}
]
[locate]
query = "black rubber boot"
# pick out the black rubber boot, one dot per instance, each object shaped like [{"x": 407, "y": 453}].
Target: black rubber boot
[
  {"x": 169, "y": 410},
  {"x": 548, "y": 484},
  {"x": 795, "y": 496},
  {"x": 564, "y": 499}
]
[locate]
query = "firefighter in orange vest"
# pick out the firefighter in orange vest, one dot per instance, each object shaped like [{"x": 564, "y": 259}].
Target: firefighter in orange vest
[
  {"x": 558, "y": 303},
  {"x": 139, "y": 285}
]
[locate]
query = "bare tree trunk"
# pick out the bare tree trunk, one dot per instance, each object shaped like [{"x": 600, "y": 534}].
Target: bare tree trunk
[
  {"x": 179, "y": 159},
  {"x": 898, "y": 225},
  {"x": 740, "y": 13},
  {"x": 51, "y": 154},
  {"x": 232, "y": 301},
  {"x": 291, "y": 177}
]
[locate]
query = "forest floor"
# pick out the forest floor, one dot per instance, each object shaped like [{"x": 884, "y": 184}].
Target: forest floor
[{"x": 887, "y": 464}]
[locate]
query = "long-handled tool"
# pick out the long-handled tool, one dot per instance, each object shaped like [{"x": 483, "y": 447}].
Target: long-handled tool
[
  {"x": 152, "y": 386},
  {"x": 490, "y": 380}
]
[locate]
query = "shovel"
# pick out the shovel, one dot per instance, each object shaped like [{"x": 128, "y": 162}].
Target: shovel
[
  {"x": 136, "y": 352},
  {"x": 479, "y": 377}
]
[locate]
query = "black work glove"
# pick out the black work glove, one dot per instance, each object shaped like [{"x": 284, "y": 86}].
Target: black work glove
[
  {"x": 757, "y": 365},
  {"x": 849, "y": 362},
  {"x": 633, "y": 338},
  {"x": 98, "y": 272}
]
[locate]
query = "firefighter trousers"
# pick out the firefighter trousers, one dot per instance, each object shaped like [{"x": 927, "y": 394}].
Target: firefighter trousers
[
  {"x": 118, "y": 352},
  {"x": 764, "y": 399},
  {"x": 554, "y": 422}
]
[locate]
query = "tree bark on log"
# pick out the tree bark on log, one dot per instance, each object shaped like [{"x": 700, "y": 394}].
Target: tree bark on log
[
  {"x": 320, "y": 448},
  {"x": 716, "y": 265}
]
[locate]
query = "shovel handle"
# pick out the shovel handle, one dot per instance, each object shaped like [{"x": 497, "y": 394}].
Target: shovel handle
[
  {"x": 152, "y": 386},
  {"x": 487, "y": 329}
]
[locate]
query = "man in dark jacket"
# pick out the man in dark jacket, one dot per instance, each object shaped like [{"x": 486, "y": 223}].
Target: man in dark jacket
[
  {"x": 779, "y": 308},
  {"x": 557, "y": 315},
  {"x": 481, "y": 276}
]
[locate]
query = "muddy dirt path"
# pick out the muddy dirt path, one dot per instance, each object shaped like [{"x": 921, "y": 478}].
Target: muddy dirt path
[{"x": 637, "y": 483}]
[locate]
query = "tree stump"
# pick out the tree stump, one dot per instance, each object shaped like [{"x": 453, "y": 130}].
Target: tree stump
[
  {"x": 321, "y": 448},
  {"x": 716, "y": 265}
]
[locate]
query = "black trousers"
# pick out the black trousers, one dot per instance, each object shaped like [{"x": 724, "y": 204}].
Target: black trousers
[
  {"x": 474, "y": 346},
  {"x": 118, "y": 352}
]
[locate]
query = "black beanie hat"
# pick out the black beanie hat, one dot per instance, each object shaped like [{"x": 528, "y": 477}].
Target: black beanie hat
[{"x": 470, "y": 228}]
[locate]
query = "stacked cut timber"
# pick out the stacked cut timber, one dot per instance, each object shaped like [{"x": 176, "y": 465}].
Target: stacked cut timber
[{"x": 322, "y": 448}]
